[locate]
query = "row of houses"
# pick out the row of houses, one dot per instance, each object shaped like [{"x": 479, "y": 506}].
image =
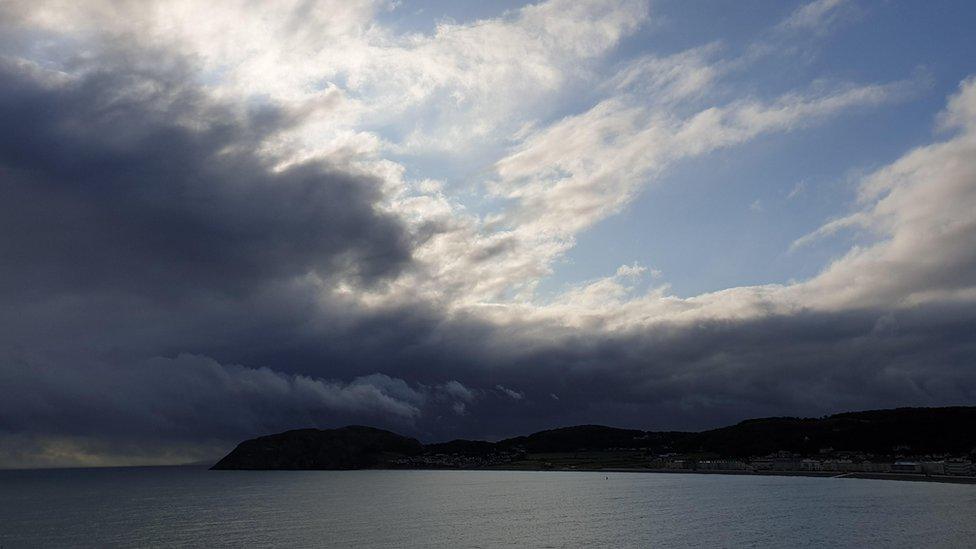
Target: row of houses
[
  {"x": 941, "y": 467},
  {"x": 456, "y": 461}
]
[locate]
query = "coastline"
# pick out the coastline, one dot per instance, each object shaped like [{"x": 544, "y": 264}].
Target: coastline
[{"x": 909, "y": 477}]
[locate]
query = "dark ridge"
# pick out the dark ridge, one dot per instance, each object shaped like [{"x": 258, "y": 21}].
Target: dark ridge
[
  {"x": 353, "y": 447},
  {"x": 584, "y": 437},
  {"x": 916, "y": 431},
  {"x": 897, "y": 432},
  {"x": 461, "y": 447}
]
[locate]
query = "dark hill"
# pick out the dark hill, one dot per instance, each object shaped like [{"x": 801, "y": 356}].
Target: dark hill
[
  {"x": 352, "y": 447},
  {"x": 898, "y": 432},
  {"x": 588, "y": 437},
  {"x": 461, "y": 447},
  {"x": 915, "y": 431}
]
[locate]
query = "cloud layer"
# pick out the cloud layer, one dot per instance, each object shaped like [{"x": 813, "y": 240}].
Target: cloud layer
[{"x": 206, "y": 242}]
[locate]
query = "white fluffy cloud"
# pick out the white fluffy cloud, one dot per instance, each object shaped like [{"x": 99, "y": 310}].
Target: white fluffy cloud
[
  {"x": 345, "y": 75},
  {"x": 360, "y": 92},
  {"x": 919, "y": 210},
  {"x": 814, "y": 16},
  {"x": 587, "y": 167},
  {"x": 349, "y": 74}
]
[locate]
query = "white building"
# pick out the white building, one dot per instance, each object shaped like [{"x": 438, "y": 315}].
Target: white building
[
  {"x": 906, "y": 467},
  {"x": 958, "y": 468}
]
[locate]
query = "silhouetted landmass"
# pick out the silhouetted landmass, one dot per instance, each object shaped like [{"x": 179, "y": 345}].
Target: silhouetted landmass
[
  {"x": 353, "y": 447},
  {"x": 461, "y": 447},
  {"x": 877, "y": 434},
  {"x": 909, "y": 431},
  {"x": 590, "y": 437}
]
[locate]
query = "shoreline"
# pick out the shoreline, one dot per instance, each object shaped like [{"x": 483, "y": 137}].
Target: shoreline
[
  {"x": 910, "y": 477},
  {"x": 904, "y": 477}
]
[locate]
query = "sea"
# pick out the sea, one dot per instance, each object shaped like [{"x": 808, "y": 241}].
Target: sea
[{"x": 195, "y": 507}]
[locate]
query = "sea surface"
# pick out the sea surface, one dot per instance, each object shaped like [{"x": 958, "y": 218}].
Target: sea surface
[{"x": 183, "y": 506}]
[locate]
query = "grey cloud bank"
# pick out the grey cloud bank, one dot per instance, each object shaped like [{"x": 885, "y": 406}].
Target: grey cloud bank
[{"x": 171, "y": 286}]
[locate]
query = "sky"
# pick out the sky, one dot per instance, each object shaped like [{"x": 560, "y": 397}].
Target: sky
[{"x": 476, "y": 219}]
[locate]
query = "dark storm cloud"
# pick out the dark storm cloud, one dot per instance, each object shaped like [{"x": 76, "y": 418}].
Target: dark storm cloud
[
  {"x": 715, "y": 372},
  {"x": 137, "y": 221},
  {"x": 106, "y": 188},
  {"x": 136, "y": 215}
]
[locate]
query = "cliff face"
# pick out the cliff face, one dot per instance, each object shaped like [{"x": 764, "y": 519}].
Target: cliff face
[{"x": 352, "y": 447}]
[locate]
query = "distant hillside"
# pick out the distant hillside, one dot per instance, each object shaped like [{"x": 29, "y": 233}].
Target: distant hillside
[
  {"x": 586, "y": 437},
  {"x": 902, "y": 431},
  {"x": 352, "y": 447},
  {"x": 462, "y": 447}
]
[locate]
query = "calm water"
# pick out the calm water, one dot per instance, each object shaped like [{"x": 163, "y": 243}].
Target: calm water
[{"x": 196, "y": 507}]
